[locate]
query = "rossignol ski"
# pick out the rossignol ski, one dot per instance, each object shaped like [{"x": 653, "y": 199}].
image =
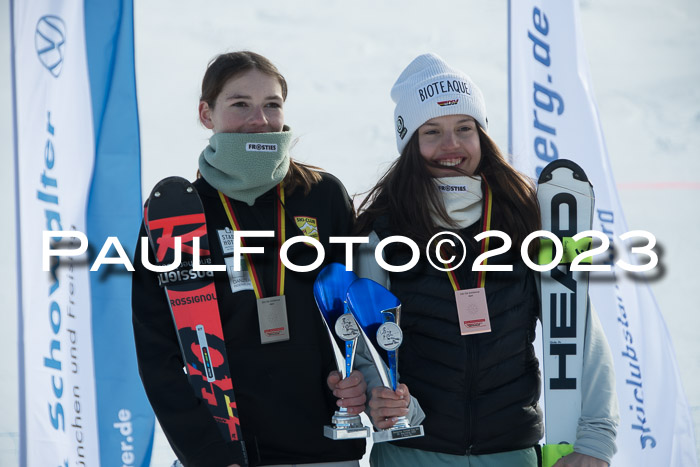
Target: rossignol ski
[
  {"x": 174, "y": 209},
  {"x": 566, "y": 201}
]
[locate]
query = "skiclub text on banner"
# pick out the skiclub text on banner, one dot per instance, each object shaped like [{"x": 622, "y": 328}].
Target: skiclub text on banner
[
  {"x": 77, "y": 168},
  {"x": 553, "y": 115}
]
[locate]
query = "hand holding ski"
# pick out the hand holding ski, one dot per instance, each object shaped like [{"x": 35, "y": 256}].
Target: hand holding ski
[{"x": 576, "y": 459}]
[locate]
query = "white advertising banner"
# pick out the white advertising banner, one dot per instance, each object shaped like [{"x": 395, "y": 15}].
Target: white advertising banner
[
  {"x": 553, "y": 115},
  {"x": 55, "y": 159}
]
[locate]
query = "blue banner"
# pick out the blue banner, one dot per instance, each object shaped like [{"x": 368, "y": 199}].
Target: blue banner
[{"x": 125, "y": 419}]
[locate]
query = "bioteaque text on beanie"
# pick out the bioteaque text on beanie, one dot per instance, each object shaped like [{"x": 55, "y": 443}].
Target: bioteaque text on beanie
[{"x": 430, "y": 88}]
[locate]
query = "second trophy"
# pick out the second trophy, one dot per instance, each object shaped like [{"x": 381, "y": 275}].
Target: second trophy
[{"x": 377, "y": 311}]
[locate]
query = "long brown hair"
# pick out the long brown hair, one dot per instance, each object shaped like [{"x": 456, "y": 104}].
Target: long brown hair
[
  {"x": 407, "y": 195},
  {"x": 229, "y": 65}
]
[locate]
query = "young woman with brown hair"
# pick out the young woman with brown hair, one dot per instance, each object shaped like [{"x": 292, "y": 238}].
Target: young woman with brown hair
[
  {"x": 475, "y": 393},
  {"x": 285, "y": 384}
]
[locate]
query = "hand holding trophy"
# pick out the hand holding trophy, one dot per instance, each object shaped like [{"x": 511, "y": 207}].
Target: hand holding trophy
[
  {"x": 377, "y": 311},
  {"x": 330, "y": 290}
]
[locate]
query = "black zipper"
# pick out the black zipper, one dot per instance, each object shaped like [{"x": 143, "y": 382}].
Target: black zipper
[{"x": 470, "y": 343}]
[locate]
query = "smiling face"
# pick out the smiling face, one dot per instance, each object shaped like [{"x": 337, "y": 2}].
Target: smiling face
[
  {"x": 451, "y": 141},
  {"x": 251, "y": 102}
]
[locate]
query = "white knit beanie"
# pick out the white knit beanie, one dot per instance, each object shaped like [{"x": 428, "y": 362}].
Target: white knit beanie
[{"x": 430, "y": 88}]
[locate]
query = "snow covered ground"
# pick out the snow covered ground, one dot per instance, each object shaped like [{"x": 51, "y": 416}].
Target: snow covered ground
[{"x": 341, "y": 58}]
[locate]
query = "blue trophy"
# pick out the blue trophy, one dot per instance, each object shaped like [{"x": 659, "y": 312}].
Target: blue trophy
[
  {"x": 330, "y": 289},
  {"x": 377, "y": 311}
]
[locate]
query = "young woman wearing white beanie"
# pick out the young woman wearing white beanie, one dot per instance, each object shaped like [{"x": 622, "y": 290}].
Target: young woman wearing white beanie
[{"x": 477, "y": 394}]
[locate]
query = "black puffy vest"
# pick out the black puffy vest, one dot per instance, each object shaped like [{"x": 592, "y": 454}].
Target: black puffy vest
[{"x": 479, "y": 392}]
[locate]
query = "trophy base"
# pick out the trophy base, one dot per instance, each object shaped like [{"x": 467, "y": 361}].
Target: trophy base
[
  {"x": 345, "y": 433},
  {"x": 397, "y": 434},
  {"x": 346, "y": 426}
]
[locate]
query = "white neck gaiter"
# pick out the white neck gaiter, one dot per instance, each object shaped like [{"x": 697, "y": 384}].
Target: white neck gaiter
[{"x": 462, "y": 198}]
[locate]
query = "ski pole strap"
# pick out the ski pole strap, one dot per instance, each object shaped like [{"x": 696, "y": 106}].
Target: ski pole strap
[
  {"x": 486, "y": 226},
  {"x": 281, "y": 236}
]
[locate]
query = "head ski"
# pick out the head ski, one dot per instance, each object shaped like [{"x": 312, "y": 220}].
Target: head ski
[{"x": 566, "y": 201}]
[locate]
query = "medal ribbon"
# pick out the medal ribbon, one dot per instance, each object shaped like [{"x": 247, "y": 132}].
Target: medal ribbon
[
  {"x": 281, "y": 236},
  {"x": 486, "y": 226}
]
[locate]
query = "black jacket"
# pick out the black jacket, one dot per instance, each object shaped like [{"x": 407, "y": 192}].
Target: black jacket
[
  {"x": 479, "y": 392},
  {"x": 282, "y": 397}
]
